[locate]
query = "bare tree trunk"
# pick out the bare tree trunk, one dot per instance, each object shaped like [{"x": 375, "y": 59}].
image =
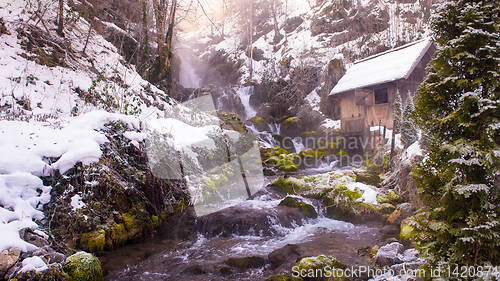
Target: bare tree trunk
[
  {"x": 171, "y": 23},
  {"x": 277, "y": 34},
  {"x": 60, "y": 21},
  {"x": 87, "y": 40},
  {"x": 160, "y": 8}
]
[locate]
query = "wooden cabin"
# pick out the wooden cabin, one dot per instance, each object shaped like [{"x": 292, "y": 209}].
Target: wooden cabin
[{"x": 368, "y": 88}]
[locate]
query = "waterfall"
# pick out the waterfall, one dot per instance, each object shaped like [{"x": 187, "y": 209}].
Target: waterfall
[
  {"x": 275, "y": 128},
  {"x": 263, "y": 136},
  {"x": 188, "y": 76},
  {"x": 245, "y": 93},
  {"x": 298, "y": 145}
]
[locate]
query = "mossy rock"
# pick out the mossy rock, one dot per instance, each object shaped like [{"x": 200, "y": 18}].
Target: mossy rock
[
  {"x": 284, "y": 142},
  {"x": 328, "y": 265},
  {"x": 386, "y": 208},
  {"x": 291, "y": 127},
  {"x": 259, "y": 123},
  {"x": 93, "y": 241},
  {"x": 83, "y": 266},
  {"x": 407, "y": 231},
  {"x": 382, "y": 198},
  {"x": 307, "y": 209},
  {"x": 246, "y": 262},
  {"x": 116, "y": 235},
  {"x": 342, "y": 203},
  {"x": 307, "y": 153},
  {"x": 288, "y": 168},
  {"x": 368, "y": 178},
  {"x": 287, "y": 186},
  {"x": 393, "y": 196}
]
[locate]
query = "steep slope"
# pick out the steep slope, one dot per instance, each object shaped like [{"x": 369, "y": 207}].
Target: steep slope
[{"x": 313, "y": 36}]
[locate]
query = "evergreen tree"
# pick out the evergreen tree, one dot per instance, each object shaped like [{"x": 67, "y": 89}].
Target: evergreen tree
[
  {"x": 458, "y": 106},
  {"x": 398, "y": 113},
  {"x": 409, "y": 133}
]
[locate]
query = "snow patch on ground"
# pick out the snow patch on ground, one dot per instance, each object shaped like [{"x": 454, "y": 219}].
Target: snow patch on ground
[
  {"x": 369, "y": 194},
  {"x": 329, "y": 123}
]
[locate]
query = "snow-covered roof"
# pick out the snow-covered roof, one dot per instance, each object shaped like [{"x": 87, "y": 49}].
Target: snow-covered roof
[{"x": 385, "y": 67}]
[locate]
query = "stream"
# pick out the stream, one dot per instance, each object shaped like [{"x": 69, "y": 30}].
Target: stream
[
  {"x": 254, "y": 227},
  {"x": 196, "y": 248}
]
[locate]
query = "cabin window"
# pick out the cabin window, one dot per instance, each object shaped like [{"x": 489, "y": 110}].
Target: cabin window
[{"x": 381, "y": 96}]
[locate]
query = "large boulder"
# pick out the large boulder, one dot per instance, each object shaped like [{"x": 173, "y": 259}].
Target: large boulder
[
  {"x": 83, "y": 266},
  {"x": 8, "y": 258},
  {"x": 388, "y": 254},
  {"x": 307, "y": 209},
  {"x": 284, "y": 254}
]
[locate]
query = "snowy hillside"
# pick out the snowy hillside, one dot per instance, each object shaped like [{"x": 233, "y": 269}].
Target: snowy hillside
[
  {"x": 55, "y": 100},
  {"x": 313, "y": 36}
]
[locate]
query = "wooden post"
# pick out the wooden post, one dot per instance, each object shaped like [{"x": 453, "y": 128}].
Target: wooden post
[{"x": 393, "y": 140}]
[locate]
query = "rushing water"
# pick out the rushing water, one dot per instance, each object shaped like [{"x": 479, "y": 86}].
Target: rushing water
[
  {"x": 245, "y": 93},
  {"x": 272, "y": 227}
]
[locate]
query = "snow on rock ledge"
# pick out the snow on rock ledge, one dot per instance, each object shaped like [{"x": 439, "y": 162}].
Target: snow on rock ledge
[{"x": 26, "y": 149}]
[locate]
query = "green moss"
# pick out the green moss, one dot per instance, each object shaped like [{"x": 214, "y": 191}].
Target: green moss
[
  {"x": 259, "y": 123},
  {"x": 273, "y": 160},
  {"x": 342, "y": 203},
  {"x": 373, "y": 251},
  {"x": 116, "y": 235},
  {"x": 288, "y": 186},
  {"x": 93, "y": 241},
  {"x": 307, "y": 209},
  {"x": 246, "y": 263},
  {"x": 393, "y": 196},
  {"x": 127, "y": 221},
  {"x": 367, "y": 178},
  {"x": 83, "y": 267},
  {"x": 307, "y": 153},
  {"x": 313, "y": 264},
  {"x": 289, "y": 168},
  {"x": 382, "y": 198},
  {"x": 386, "y": 208},
  {"x": 407, "y": 231}
]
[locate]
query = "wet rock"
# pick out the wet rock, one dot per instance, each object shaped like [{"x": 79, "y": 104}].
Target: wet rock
[
  {"x": 225, "y": 270},
  {"x": 291, "y": 127},
  {"x": 363, "y": 251},
  {"x": 390, "y": 229},
  {"x": 53, "y": 257},
  {"x": 259, "y": 123},
  {"x": 8, "y": 258},
  {"x": 307, "y": 209},
  {"x": 318, "y": 264},
  {"x": 388, "y": 254},
  {"x": 246, "y": 263},
  {"x": 36, "y": 240},
  {"x": 390, "y": 240},
  {"x": 400, "y": 269},
  {"x": 402, "y": 212},
  {"x": 40, "y": 252},
  {"x": 196, "y": 269},
  {"x": 239, "y": 220},
  {"x": 281, "y": 255}
]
